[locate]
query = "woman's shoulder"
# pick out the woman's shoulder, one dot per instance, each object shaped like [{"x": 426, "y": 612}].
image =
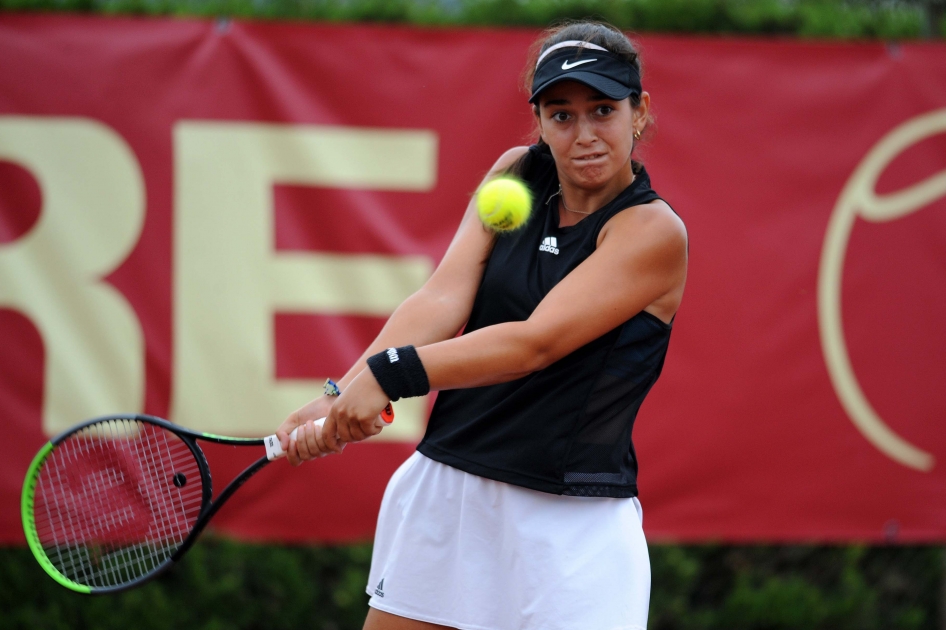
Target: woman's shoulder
[
  {"x": 515, "y": 153},
  {"x": 654, "y": 221},
  {"x": 509, "y": 158},
  {"x": 529, "y": 163}
]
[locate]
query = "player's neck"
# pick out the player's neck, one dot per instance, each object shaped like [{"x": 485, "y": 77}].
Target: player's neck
[{"x": 576, "y": 202}]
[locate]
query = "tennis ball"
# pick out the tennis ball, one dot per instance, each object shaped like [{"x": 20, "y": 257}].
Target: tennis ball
[{"x": 504, "y": 204}]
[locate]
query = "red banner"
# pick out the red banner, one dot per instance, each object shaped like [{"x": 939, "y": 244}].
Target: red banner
[{"x": 202, "y": 221}]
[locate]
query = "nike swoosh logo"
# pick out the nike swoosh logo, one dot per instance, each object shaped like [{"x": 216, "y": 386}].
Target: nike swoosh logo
[{"x": 569, "y": 66}]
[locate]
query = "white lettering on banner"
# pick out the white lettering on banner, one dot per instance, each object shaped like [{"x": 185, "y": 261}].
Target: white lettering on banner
[
  {"x": 860, "y": 199},
  {"x": 92, "y": 215},
  {"x": 229, "y": 279}
]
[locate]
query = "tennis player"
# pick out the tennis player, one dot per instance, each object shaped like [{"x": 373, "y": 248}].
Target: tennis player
[{"x": 519, "y": 508}]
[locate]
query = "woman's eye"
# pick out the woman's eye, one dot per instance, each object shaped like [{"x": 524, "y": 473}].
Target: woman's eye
[
  {"x": 604, "y": 110},
  {"x": 559, "y": 116}
]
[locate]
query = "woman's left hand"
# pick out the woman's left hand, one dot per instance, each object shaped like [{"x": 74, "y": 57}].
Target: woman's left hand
[{"x": 355, "y": 413}]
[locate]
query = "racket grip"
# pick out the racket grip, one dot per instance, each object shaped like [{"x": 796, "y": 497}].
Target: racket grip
[{"x": 274, "y": 448}]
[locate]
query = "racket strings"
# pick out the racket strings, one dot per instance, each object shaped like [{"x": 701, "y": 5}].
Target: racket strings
[
  {"x": 114, "y": 501},
  {"x": 127, "y": 563}
]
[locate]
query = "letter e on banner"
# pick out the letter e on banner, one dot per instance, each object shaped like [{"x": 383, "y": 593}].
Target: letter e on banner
[
  {"x": 91, "y": 219},
  {"x": 860, "y": 199},
  {"x": 229, "y": 280}
]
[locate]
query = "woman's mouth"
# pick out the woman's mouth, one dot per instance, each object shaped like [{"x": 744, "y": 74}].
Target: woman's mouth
[{"x": 591, "y": 157}]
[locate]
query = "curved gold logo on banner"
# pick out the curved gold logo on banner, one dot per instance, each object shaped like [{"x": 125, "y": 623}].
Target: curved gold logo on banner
[{"x": 859, "y": 199}]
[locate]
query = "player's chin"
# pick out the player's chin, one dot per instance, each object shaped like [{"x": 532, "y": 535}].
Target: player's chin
[{"x": 593, "y": 174}]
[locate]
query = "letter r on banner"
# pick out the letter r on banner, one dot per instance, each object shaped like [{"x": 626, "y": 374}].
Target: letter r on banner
[
  {"x": 229, "y": 280},
  {"x": 92, "y": 215}
]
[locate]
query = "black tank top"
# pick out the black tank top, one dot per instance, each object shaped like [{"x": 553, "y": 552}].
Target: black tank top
[{"x": 565, "y": 429}]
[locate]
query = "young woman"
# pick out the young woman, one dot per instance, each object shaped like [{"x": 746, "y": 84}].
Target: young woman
[{"x": 519, "y": 509}]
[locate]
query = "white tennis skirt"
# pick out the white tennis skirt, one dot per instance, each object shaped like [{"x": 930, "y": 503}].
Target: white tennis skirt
[{"x": 467, "y": 552}]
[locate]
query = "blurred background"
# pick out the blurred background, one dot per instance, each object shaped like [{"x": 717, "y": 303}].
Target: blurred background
[{"x": 208, "y": 207}]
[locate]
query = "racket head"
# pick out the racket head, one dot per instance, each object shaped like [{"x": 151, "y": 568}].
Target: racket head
[{"x": 109, "y": 503}]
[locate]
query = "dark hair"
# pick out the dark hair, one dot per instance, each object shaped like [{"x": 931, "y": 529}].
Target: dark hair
[{"x": 599, "y": 33}]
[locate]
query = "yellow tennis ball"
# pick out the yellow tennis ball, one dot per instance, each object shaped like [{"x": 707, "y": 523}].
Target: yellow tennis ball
[{"x": 504, "y": 204}]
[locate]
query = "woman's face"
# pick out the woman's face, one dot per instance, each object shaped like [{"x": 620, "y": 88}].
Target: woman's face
[{"x": 590, "y": 135}]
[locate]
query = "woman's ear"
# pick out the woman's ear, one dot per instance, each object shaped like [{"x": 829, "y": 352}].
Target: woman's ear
[{"x": 642, "y": 112}]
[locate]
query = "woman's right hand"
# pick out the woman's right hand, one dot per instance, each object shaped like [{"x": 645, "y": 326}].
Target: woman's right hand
[{"x": 308, "y": 443}]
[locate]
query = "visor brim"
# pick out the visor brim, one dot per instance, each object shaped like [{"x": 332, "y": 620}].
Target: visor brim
[{"x": 609, "y": 87}]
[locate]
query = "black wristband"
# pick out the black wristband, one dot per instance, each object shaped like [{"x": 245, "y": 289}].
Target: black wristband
[{"x": 399, "y": 372}]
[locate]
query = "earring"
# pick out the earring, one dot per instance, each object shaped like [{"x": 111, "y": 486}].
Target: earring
[{"x": 637, "y": 134}]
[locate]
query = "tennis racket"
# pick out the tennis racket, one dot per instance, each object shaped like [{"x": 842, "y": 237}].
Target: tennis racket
[{"x": 115, "y": 501}]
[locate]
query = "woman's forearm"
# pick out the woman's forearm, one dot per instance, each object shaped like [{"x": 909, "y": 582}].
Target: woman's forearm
[
  {"x": 495, "y": 354},
  {"x": 422, "y": 319}
]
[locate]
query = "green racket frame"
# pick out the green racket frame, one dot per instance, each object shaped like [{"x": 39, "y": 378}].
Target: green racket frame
[{"x": 208, "y": 507}]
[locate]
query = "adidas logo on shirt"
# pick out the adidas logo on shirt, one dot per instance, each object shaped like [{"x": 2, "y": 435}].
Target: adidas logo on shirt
[
  {"x": 550, "y": 245},
  {"x": 380, "y": 590}
]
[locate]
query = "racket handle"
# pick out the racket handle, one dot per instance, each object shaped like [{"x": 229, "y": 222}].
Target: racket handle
[{"x": 274, "y": 448}]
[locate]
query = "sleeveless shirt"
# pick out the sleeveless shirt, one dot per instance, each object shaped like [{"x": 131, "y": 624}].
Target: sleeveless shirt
[{"x": 565, "y": 429}]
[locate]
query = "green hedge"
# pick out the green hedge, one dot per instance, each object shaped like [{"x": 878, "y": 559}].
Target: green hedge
[
  {"x": 218, "y": 585},
  {"x": 886, "y": 19},
  {"x": 718, "y": 587},
  {"x": 223, "y": 585}
]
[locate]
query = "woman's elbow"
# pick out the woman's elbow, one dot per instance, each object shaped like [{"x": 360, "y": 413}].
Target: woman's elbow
[{"x": 538, "y": 353}]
